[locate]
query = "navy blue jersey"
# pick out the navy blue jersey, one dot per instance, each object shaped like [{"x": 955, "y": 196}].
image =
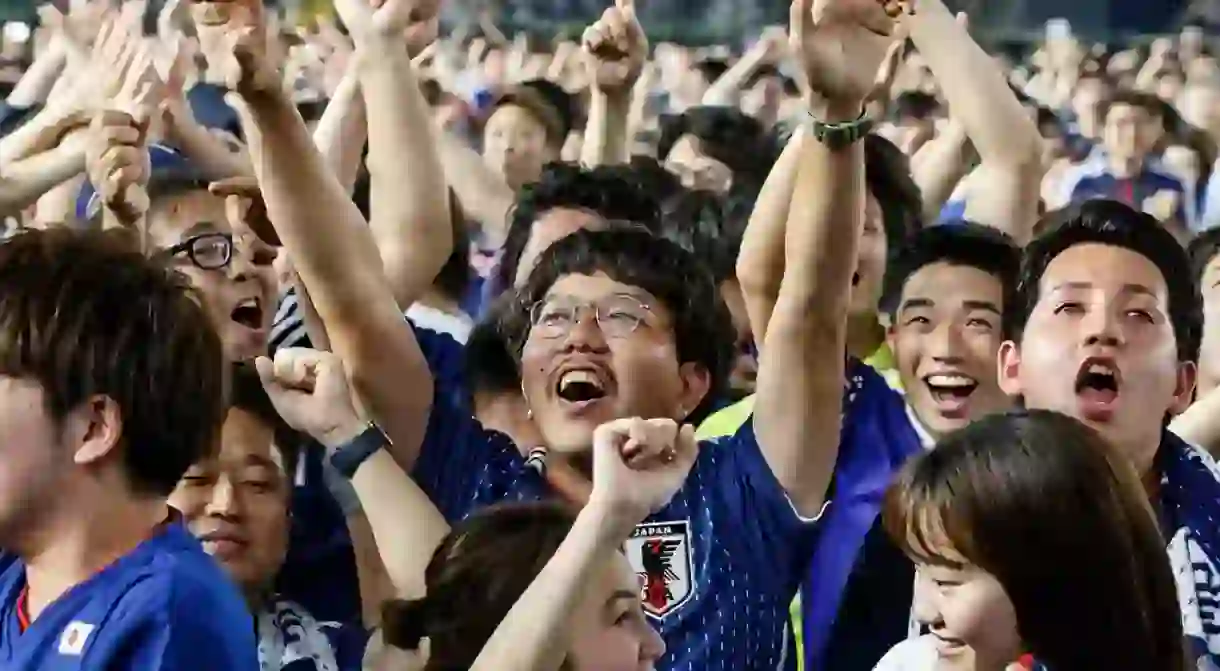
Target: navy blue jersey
[
  {"x": 1136, "y": 192},
  {"x": 166, "y": 605},
  {"x": 719, "y": 564}
]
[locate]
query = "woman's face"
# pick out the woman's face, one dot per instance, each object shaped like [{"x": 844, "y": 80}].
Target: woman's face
[
  {"x": 968, "y": 612},
  {"x": 610, "y": 631}
]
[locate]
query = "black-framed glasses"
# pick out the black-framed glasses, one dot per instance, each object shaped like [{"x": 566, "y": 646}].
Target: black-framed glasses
[
  {"x": 617, "y": 315},
  {"x": 206, "y": 251}
]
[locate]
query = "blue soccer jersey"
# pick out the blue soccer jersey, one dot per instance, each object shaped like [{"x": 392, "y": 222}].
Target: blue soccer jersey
[
  {"x": 719, "y": 564},
  {"x": 166, "y": 605}
]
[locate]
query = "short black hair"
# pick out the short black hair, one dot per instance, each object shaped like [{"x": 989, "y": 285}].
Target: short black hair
[
  {"x": 653, "y": 176},
  {"x": 84, "y": 314},
  {"x": 1202, "y": 249},
  {"x": 964, "y": 244},
  {"x": 1148, "y": 102},
  {"x": 887, "y": 174},
  {"x": 703, "y": 328},
  {"x": 246, "y": 393},
  {"x": 1109, "y": 222},
  {"x": 613, "y": 192},
  {"x": 711, "y": 69},
  {"x": 917, "y": 105},
  {"x": 489, "y": 363},
  {"x": 726, "y": 134},
  {"x": 710, "y": 225}
]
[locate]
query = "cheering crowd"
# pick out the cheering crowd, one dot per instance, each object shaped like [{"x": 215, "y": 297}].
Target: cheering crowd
[{"x": 364, "y": 346}]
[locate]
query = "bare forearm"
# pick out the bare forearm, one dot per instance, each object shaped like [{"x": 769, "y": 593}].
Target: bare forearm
[
  {"x": 38, "y": 81},
  {"x": 343, "y": 129},
  {"x": 606, "y": 133},
  {"x": 23, "y": 182},
  {"x": 409, "y": 198},
  {"x": 483, "y": 194},
  {"x": 760, "y": 264}
]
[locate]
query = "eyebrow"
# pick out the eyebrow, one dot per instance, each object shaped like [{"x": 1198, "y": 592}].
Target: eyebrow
[
  {"x": 915, "y": 303},
  {"x": 623, "y": 595},
  {"x": 200, "y": 228},
  {"x": 262, "y": 462},
  {"x": 1128, "y": 288}
]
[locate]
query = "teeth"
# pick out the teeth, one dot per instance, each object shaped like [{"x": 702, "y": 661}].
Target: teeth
[
  {"x": 951, "y": 381},
  {"x": 1100, "y": 369},
  {"x": 579, "y": 376},
  {"x": 249, "y": 303}
]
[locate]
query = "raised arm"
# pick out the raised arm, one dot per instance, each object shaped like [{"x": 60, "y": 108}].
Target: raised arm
[
  {"x": 409, "y": 197},
  {"x": 1009, "y": 176},
  {"x": 615, "y": 48},
  {"x": 328, "y": 241},
  {"x": 800, "y": 378}
]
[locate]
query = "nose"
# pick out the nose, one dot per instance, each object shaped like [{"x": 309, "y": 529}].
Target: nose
[
  {"x": 241, "y": 267},
  {"x": 653, "y": 647},
  {"x": 1101, "y": 328},
  {"x": 944, "y": 343},
  {"x": 926, "y": 604},
  {"x": 225, "y": 501},
  {"x": 586, "y": 335}
]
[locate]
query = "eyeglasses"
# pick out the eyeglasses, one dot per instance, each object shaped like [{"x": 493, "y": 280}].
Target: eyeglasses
[
  {"x": 617, "y": 316},
  {"x": 206, "y": 251}
]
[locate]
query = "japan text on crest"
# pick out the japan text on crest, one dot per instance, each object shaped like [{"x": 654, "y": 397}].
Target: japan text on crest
[{"x": 660, "y": 553}]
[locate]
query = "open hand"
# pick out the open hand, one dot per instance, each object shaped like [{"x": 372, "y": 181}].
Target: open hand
[
  {"x": 841, "y": 45},
  {"x": 233, "y": 38},
  {"x": 615, "y": 48},
  {"x": 638, "y": 464}
]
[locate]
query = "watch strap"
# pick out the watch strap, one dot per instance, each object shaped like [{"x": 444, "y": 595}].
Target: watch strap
[
  {"x": 347, "y": 458},
  {"x": 843, "y": 134}
]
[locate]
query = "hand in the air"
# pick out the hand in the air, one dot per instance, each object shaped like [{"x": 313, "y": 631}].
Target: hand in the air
[
  {"x": 310, "y": 392},
  {"x": 639, "y": 464},
  {"x": 233, "y": 38},
  {"x": 416, "y": 22},
  {"x": 117, "y": 164},
  {"x": 615, "y": 48},
  {"x": 841, "y": 45}
]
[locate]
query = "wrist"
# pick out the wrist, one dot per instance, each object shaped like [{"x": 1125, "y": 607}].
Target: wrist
[
  {"x": 615, "y": 520},
  {"x": 342, "y": 434},
  {"x": 835, "y": 110}
]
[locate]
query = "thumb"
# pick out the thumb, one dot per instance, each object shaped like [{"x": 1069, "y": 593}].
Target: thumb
[
  {"x": 963, "y": 19},
  {"x": 627, "y": 7},
  {"x": 266, "y": 370}
]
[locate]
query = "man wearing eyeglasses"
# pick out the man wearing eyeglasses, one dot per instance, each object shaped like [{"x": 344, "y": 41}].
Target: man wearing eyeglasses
[{"x": 179, "y": 216}]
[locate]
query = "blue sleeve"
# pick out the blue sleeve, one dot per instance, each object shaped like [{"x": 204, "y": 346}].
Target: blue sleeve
[
  {"x": 461, "y": 465},
  {"x": 761, "y": 516},
  {"x": 174, "y": 628}
]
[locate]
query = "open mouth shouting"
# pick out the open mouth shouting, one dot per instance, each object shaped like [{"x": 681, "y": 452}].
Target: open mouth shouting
[
  {"x": 951, "y": 393},
  {"x": 249, "y": 313},
  {"x": 1097, "y": 388},
  {"x": 581, "y": 387}
]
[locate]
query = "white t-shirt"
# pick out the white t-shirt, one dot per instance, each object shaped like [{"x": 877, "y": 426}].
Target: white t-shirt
[{"x": 913, "y": 654}]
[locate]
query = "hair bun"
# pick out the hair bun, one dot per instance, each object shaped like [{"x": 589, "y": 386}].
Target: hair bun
[{"x": 404, "y": 623}]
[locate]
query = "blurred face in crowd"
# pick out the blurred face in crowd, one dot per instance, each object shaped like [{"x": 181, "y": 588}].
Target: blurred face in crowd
[
  {"x": 236, "y": 503},
  {"x": 599, "y": 350},
  {"x": 1209, "y": 352},
  {"x": 944, "y": 337},
  {"x": 610, "y": 632},
  {"x": 229, "y": 265},
  {"x": 968, "y": 613},
  {"x": 870, "y": 261},
  {"x": 554, "y": 225},
  {"x": 1128, "y": 133},
  {"x": 1085, "y": 101},
  {"x": 515, "y": 146},
  {"x": 763, "y": 100},
  {"x": 1169, "y": 86},
  {"x": 33, "y": 460},
  {"x": 697, "y": 170},
  {"x": 1099, "y": 346}
]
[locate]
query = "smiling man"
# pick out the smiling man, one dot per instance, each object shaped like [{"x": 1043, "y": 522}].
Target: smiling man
[{"x": 1105, "y": 327}]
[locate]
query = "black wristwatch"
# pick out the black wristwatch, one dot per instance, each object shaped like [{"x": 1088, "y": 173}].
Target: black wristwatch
[
  {"x": 838, "y": 136},
  {"x": 348, "y": 457}
]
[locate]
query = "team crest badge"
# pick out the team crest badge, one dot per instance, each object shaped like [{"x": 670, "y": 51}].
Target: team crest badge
[{"x": 660, "y": 553}]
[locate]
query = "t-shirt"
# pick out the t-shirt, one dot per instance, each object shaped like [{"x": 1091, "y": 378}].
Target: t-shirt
[
  {"x": 164, "y": 605},
  {"x": 719, "y": 564}
]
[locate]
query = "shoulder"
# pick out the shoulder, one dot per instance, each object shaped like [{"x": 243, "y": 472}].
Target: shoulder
[
  {"x": 727, "y": 421},
  {"x": 916, "y": 654}
]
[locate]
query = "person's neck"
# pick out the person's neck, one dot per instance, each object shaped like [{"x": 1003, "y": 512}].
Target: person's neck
[
  {"x": 1124, "y": 168},
  {"x": 75, "y": 542}
]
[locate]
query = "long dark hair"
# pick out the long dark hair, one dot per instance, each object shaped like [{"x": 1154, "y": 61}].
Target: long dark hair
[
  {"x": 476, "y": 575},
  {"x": 1041, "y": 502}
]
